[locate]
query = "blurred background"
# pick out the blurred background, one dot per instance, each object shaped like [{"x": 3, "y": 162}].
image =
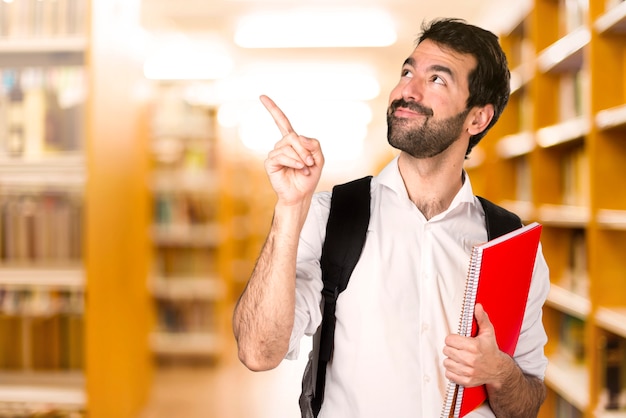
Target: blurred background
[{"x": 133, "y": 199}]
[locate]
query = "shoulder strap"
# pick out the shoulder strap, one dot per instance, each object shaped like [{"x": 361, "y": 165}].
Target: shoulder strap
[
  {"x": 498, "y": 220},
  {"x": 345, "y": 236}
]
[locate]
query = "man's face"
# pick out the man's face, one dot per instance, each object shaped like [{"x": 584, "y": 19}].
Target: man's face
[{"x": 427, "y": 109}]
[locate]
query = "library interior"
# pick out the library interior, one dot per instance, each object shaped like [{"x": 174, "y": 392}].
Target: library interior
[{"x": 134, "y": 200}]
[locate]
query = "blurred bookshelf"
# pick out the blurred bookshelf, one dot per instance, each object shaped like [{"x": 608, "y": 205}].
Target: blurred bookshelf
[
  {"x": 188, "y": 285},
  {"x": 212, "y": 206},
  {"x": 555, "y": 157},
  {"x": 56, "y": 300}
]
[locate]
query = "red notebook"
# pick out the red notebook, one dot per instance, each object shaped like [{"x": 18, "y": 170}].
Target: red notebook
[{"x": 499, "y": 278}]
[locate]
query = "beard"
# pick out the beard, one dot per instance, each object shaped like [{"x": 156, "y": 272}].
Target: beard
[{"x": 427, "y": 140}]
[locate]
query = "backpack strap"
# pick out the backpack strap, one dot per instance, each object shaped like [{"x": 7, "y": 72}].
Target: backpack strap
[
  {"x": 345, "y": 236},
  {"x": 498, "y": 220}
]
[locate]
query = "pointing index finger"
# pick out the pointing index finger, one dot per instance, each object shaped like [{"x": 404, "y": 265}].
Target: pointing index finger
[{"x": 279, "y": 117}]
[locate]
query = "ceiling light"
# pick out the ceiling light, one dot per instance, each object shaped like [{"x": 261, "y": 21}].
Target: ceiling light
[
  {"x": 284, "y": 81},
  {"x": 181, "y": 58},
  {"x": 308, "y": 28}
]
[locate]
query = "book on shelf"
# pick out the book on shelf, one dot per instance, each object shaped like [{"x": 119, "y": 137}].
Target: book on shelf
[
  {"x": 571, "y": 345},
  {"x": 187, "y": 316},
  {"x": 575, "y": 177},
  {"x": 575, "y": 277},
  {"x": 41, "y": 330},
  {"x": 27, "y": 19},
  {"x": 523, "y": 179},
  {"x": 184, "y": 261},
  {"x": 41, "y": 110},
  {"x": 613, "y": 370},
  {"x": 564, "y": 409},
  {"x": 184, "y": 208},
  {"x": 40, "y": 227},
  {"x": 573, "y": 95},
  {"x": 499, "y": 277}
]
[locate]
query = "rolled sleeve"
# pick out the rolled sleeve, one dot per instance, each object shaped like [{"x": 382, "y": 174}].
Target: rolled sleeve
[{"x": 308, "y": 313}]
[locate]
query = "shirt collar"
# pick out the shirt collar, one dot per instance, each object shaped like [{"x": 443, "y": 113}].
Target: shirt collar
[{"x": 391, "y": 178}]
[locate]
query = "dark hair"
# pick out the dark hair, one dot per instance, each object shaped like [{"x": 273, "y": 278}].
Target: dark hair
[{"x": 489, "y": 82}]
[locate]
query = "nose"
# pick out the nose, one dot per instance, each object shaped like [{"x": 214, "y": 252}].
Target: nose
[{"x": 412, "y": 89}]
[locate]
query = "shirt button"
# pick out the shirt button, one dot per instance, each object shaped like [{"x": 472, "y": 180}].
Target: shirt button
[
  {"x": 426, "y": 378},
  {"x": 425, "y": 327}
]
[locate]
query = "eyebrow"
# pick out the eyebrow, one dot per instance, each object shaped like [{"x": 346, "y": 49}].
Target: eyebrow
[{"x": 435, "y": 67}]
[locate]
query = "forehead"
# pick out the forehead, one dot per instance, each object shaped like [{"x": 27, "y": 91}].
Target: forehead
[{"x": 428, "y": 54}]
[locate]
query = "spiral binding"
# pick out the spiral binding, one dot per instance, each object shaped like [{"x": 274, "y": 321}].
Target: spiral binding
[{"x": 454, "y": 393}]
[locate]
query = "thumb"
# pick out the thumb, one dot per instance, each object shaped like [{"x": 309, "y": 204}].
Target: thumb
[{"x": 482, "y": 319}]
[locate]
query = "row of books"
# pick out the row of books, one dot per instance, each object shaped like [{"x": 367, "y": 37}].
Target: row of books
[
  {"x": 574, "y": 177},
  {"x": 41, "y": 110},
  {"x": 42, "y": 343},
  {"x": 21, "y": 19},
  {"x": 21, "y": 410},
  {"x": 189, "y": 154},
  {"x": 523, "y": 179},
  {"x": 573, "y": 95},
  {"x": 40, "y": 302},
  {"x": 40, "y": 228},
  {"x": 171, "y": 262},
  {"x": 186, "y": 316},
  {"x": 184, "y": 208},
  {"x": 612, "y": 362},
  {"x": 183, "y": 134},
  {"x": 174, "y": 114},
  {"x": 575, "y": 277},
  {"x": 575, "y": 183},
  {"x": 572, "y": 339}
]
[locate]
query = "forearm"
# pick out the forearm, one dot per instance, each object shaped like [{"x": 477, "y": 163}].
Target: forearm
[
  {"x": 264, "y": 315},
  {"x": 516, "y": 395}
]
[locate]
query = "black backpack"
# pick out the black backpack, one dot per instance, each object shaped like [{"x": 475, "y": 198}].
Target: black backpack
[{"x": 345, "y": 236}]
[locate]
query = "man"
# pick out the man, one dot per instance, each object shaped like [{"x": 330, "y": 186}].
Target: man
[{"x": 395, "y": 344}]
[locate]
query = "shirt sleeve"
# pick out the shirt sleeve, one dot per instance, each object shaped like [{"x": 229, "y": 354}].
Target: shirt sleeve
[
  {"x": 529, "y": 352},
  {"x": 308, "y": 313}
]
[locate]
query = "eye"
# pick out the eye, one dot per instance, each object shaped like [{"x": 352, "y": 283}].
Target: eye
[
  {"x": 406, "y": 73},
  {"x": 438, "y": 80}
]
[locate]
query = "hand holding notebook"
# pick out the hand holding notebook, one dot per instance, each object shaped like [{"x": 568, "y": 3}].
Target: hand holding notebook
[{"x": 499, "y": 279}]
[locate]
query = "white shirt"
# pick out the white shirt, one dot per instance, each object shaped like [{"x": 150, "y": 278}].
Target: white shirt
[{"x": 403, "y": 299}]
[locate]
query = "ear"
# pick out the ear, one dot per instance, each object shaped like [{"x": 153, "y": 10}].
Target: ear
[{"x": 479, "y": 119}]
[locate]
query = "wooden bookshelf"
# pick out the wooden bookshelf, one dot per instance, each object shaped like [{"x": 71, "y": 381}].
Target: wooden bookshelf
[
  {"x": 74, "y": 324},
  {"x": 573, "y": 160},
  {"x": 189, "y": 286}
]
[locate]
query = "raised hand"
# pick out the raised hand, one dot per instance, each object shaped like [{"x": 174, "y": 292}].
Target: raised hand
[{"x": 295, "y": 164}]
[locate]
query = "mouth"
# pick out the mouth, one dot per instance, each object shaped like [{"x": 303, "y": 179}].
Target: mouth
[
  {"x": 403, "y": 112},
  {"x": 404, "y": 109}
]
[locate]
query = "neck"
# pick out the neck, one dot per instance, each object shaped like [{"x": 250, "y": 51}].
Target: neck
[{"x": 431, "y": 183}]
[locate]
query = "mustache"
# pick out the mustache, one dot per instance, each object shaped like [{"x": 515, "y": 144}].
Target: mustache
[{"x": 413, "y": 106}]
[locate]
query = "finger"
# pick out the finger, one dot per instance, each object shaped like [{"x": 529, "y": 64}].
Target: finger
[
  {"x": 303, "y": 148},
  {"x": 311, "y": 151},
  {"x": 284, "y": 126},
  {"x": 482, "y": 319},
  {"x": 286, "y": 156}
]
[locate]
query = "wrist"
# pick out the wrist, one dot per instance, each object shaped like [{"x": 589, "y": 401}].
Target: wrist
[
  {"x": 290, "y": 217},
  {"x": 507, "y": 371}
]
